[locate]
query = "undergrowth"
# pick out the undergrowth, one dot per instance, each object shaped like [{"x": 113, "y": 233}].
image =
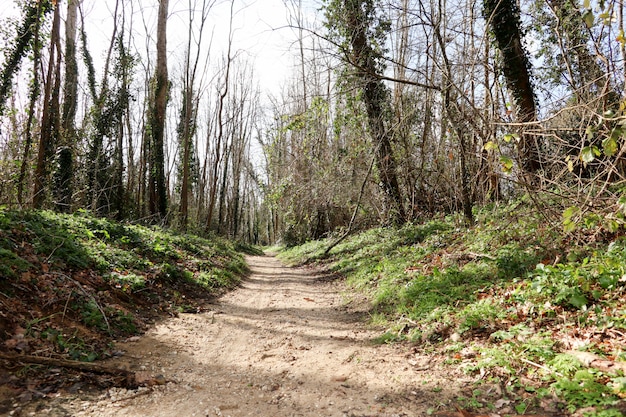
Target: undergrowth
[
  {"x": 509, "y": 300},
  {"x": 74, "y": 283}
]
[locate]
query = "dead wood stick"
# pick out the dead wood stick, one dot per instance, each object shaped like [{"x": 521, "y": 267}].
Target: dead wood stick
[
  {"x": 545, "y": 368},
  {"x": 64, "y": 363}
]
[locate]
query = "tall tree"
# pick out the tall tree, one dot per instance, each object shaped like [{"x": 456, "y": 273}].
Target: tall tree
[
  {"x": 219, "y": 152},
  {"x": 158, "y": 189},
  {"x": 51, "y": 117},
  {"x": 34, "y": 12},
  {"x": 189, "y": 113},
  {"x": 450, "y": 104},
  {"x": 65, "y": 163},
  {"x": 503, "y": 17},
  {"x": 29, "y": 30},
  {"x": 360, "y": 32}
]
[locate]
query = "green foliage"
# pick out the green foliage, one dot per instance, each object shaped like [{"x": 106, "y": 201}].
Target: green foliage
[
  {"x": 85, "y": 281},
  {"x": 11, "y": 265},
  {"x": 342, "y": 16},
  {"x": 73, "y": 345},
  {"x": 565, "y": 364},
  {"x": 173, "y": 273},
  {"x": 385, "y": 263},
  {"x": 479, "y": 315},
  {"x": 584, "y": 283},
  {"x": 584, "y": 390},
  {"x": 128, "y": 282},
  {"x": 92, "y": 315}
]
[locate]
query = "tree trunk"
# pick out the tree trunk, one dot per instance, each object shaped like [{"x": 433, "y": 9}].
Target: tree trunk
[
  {"x": 452, "y": 113},
  {"x": 158, "y": 195},
  {"x": 65, "y": 169},
  {"x": 35, "y": 91},
  {"x": 35, "y": 13},
  {"x": 50, "y": 117},
  {"x": 504, "y": 19},
  {"x": 186, "y": 145},
  {"x": 375, "y": 99},
  {"x": 189, "y": 112},
  {"x": 220, "y": 128}
]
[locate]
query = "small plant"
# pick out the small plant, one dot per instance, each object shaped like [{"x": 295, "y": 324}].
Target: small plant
[
  {"x": 387, "y": 337},
  {"x": 93, "y": 316},
  {"x": 584, "y": 390},
  {"x": 216, "y": 278},
  {"x": 122, "y": 322},
  {"x": 564, "y": 285},
  {"x": 12, "y": 265},
  {"x": 127, "y": 282},
  {"x": 74, "y": 346},
  {"x": 173, "y": 273},
  {"x": 480, "y": 314},
  {"x": 565, "y": 364},
  {"x": 609, "y": 412}
]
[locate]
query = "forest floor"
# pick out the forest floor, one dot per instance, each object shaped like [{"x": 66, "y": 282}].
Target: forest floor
[{"x": 287, "y": 342}]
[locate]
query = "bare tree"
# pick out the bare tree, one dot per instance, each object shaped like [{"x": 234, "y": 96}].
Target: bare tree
[
  {"x": 220, "y": 145},
  {"x": 189, "y": 111}
]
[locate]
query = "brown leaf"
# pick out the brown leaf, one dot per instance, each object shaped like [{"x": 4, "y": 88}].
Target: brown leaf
[
  {"x": 11, "y": 343},
  {"x": 26, "y": 276}
]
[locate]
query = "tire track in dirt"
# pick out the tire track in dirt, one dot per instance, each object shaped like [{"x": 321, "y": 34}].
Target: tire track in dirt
[{"x": 284, "y": 343}]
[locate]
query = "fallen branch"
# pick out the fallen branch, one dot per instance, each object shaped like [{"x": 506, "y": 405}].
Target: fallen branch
[{"x": 129, "y": 376}]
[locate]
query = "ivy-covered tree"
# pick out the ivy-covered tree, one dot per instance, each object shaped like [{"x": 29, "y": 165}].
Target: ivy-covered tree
[
  {"x": 504, "y": 21},
  {"x": 30, "y": 31},
  {"x": 359, "y": 30},
  {"x": 64, "y": 173},
  {"x": 51, "y": 117},
  {"x": 157, "y": 187},
  {"x": 188, "y": 166}
]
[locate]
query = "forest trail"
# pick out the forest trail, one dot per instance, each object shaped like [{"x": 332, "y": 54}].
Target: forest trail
[{"x": 285, "y": 343}]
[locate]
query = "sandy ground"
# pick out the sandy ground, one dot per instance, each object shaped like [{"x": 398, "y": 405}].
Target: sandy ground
[{"x": 288, "y": 342}]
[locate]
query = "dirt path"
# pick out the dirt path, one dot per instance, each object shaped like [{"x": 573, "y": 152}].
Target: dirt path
[{"x": 284, "y": 344}]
